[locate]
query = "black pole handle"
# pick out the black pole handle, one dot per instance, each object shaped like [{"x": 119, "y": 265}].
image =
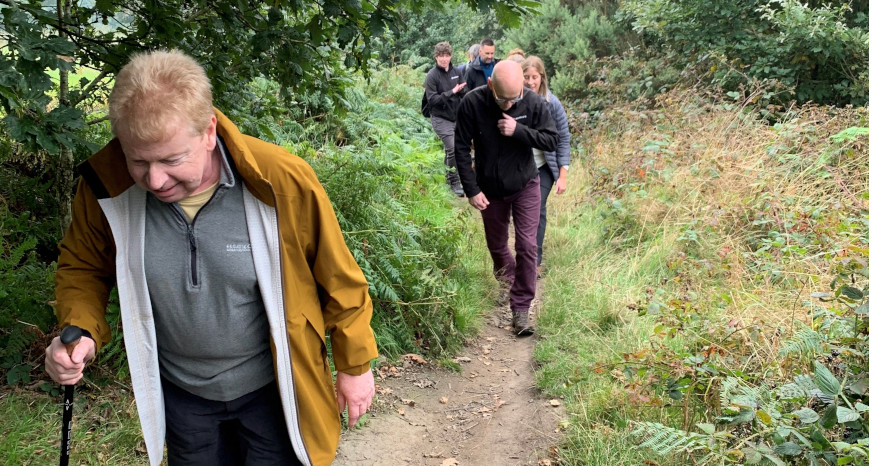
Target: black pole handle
[{"x": 70, "y": 337}]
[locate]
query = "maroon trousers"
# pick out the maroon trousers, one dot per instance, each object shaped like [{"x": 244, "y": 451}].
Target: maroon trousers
[{"x": 519, "y": 272}]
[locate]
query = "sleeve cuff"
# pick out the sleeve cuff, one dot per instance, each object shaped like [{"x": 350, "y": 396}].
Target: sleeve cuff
[{"x": 357, "y": 370}]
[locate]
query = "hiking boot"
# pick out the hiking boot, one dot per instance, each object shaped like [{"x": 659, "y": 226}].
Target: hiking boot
[
  {"x": 454, "y": 182},
  {"x": 458, "y": 189},
  {"x": 521, "y": 324}
]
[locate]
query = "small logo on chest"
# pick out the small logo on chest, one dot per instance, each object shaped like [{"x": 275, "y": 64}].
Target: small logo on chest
[{"x": 239, "y": 247}]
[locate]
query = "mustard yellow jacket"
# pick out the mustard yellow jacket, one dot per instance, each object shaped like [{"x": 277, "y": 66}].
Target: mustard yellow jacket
[{"x": 310, "y": 283}]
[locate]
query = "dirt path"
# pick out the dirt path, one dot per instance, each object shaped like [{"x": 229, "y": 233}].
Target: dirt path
[{"x": 489, "y": 414}]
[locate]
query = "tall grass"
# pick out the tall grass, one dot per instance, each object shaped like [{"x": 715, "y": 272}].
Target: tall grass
[{"x": 687, "y": 253}]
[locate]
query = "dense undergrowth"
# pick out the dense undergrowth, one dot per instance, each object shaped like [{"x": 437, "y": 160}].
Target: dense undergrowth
[
  {"x": 720, "y": 313},
  {"x": 381, "y": 167}
]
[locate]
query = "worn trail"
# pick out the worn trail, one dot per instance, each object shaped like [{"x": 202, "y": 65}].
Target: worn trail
[{"x": 489, "y": 414}]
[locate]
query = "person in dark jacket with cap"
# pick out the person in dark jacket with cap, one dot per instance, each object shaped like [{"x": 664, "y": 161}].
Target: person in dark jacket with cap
[{"x": 444, "y": 88}]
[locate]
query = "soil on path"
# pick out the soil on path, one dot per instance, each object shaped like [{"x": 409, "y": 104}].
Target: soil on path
[{"x": 489, "y": 414}]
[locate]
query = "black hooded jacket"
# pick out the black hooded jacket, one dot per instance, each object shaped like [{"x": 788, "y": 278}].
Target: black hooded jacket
[
  {"x": 504, "y": 164},
  {"x": 438, "y": 87}
]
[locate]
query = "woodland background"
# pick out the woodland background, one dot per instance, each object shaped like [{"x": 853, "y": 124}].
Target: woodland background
[{"x": 706, "y": 274}]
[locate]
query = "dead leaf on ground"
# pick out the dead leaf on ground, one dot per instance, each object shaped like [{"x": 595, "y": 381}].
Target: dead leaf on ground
[
  {"x": 463, "y": 359},
  {"x": 401, "y": 412},
  {"x": 544, "y": 462},
  {"x": 499, "y": 404},
  {"x": 424, "y": 383},
  {"x": 555, "y": 403},
  {"x": 384, "y": 391},
  {"x": 450, "y": 462},
  {"x": 410, "y": 403},
  {"x": 412, "y": 357},
  {"x": 444, "y": 400},
  {"x": 489, "y": 339}
]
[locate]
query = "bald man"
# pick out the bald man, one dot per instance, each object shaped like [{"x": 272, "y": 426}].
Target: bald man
[{"x": 506, "y": 121}]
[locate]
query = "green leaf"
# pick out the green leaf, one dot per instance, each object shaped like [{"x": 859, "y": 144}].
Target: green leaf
[
  {"x": 745, "y": 415},
  {"x": 852, "y": 292},
  {"x": 806, "y": 415},
  {"x": 845, "y": 460},
  {"x": 706, "y": 427},
  {"x": 826, "y": 381},
  {"x": 863, "y": 309},
  {"x": 775, "y": 459},
  {"x": 788, "y": 449},
  {"x": 829, "y": 417},
  {"x": 841, "y": 446},
  {"x": 819, "y": 438},
  {"x": 845, "y": 415}
]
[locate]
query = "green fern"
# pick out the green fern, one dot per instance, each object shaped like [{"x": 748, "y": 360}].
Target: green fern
[
  {"x": 665, "y": 440},
  {"x": 805, "y": 342},
  {"x": 802, "y": 388}
]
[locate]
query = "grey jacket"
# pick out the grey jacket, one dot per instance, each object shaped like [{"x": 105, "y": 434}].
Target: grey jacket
[{"x": 555, "y": 160}]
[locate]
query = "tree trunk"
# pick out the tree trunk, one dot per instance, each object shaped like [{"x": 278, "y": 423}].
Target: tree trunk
[{"x": 64, "y": 166}]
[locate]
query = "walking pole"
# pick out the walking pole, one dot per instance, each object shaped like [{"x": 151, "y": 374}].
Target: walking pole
[{"x": 70, "y": 338}]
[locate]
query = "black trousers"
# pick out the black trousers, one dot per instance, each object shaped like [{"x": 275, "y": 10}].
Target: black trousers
[{"x": 249, "y": 430}]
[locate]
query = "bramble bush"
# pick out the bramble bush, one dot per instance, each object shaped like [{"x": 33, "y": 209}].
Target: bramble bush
[{"x": 758, "y": 351}]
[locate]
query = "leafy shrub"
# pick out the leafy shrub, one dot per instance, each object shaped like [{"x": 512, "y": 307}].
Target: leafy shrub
[
  {"x": 389, "y": 161},
  {"x": 820, "y": 52},
  {"x": 560, "y": 34},
  {"x": 599, "y": 83},
  {"x": 25, "y": 294}
]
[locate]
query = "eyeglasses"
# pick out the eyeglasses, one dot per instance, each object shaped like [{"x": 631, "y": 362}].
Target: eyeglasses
[{"x": 503, "y": 101}]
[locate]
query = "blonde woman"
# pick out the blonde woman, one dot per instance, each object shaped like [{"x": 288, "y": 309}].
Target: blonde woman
[{"x": 553, "y": 166}]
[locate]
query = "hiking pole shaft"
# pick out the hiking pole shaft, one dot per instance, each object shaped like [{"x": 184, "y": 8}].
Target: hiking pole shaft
[{"x": 70, "y": 338}]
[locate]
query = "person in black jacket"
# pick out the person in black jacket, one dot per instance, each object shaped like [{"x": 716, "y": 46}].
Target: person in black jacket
[
  {"x": 444, "y": 87},
  {"x": 479, "y": 70},
  {"x": 506, "y": 121}
]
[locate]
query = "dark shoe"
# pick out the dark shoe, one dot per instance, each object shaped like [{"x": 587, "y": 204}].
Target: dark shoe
[
  {"x": 454, "y": 182},
  {"x": 521, "y": 324}
]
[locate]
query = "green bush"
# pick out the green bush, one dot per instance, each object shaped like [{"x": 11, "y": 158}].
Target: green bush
[
  {"x": 599, "y": 83},
  {"x": 561, "y": 35},
  {"x": 820, "y": 52}
]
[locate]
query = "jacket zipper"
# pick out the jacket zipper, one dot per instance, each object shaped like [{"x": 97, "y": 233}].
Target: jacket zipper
[
  {"x": 189, "y": 232},
  {"x": 193, "y": 246}
]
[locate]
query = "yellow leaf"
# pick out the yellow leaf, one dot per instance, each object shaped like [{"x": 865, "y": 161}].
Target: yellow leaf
[{"x": 764, "y": 417}]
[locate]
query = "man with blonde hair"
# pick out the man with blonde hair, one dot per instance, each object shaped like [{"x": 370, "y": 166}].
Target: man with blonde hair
[{"x": 231, "y": 268}]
